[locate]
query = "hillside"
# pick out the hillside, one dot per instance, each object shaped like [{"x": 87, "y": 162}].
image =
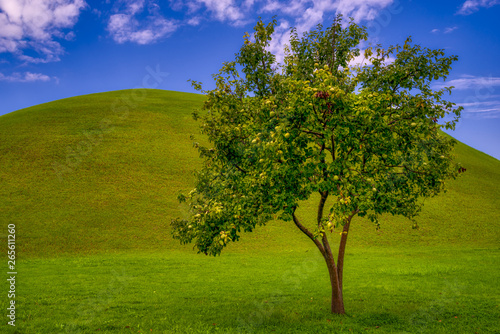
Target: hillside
[{"x": 100, "y": 173}]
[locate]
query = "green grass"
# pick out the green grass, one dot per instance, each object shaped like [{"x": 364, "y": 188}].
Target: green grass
[
  {"x": 387, "y": 291},
  {"x": 110, "y": 185},
  {"x": 91, "y": 184}
]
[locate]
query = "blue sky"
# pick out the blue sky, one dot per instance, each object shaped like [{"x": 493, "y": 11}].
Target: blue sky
[{"x": 52, "y": 49}]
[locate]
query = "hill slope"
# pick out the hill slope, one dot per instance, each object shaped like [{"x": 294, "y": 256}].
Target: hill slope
[{"x": 100, "y": 173}]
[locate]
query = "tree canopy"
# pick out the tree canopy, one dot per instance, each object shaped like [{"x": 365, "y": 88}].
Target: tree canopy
[{"x": 367, "y": 136}]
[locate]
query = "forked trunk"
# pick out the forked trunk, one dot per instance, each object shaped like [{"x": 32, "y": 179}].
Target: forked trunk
[{"x": 335, "y": 271}]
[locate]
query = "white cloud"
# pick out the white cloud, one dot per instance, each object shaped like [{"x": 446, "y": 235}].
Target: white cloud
[
  {"x": 445, "y": 31},
  {"x": 125, "y": 26},
  {"x": 471, "y": 6},
  {"x": 362, "y": 9},
  {"x": 309, "y": 13},
  {"x": 483, "y": 100},
  {"x": 291, "y": 8},
  {"x": 305, "y": 14},
  {"x": 450, "y": 29},
  {"x": 29, "y": 77},
  {"x": 224, "y": 10},
  {"x": 273, "y": 6},
  {"x": 471, "y": 82},
  {"x": 35, "y": 25},
  {"x": 70, "y": 36},
  {"x": 281, "y": 37},
  {"x": 478, "y": 108},
  {"x": 219, "y": 10},
  {"x": 248, "y": 3},
  {"x": 135, "y": 6},
  {"x": 194, "y": 21},
  {"x": 25, "y": 77}
]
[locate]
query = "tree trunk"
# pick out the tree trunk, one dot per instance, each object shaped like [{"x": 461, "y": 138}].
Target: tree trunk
[
  {"x": 337, "y": 305},
  {"x": 336, "y": 272}
]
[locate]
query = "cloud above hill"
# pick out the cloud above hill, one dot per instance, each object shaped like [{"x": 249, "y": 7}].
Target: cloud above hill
[
  {"x": 138, "y": 22},
  {"x": 24, "y": 77},
  {"x": 37, "y": 25},
  {"x": 481, "y": 98},
  {"x": 471, "y": 82}
]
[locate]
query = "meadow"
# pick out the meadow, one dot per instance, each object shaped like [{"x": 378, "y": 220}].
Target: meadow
[{"x": 91, "y": 184}]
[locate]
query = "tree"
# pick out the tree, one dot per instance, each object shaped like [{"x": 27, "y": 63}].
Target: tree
[{"x": 365, "y": 137}]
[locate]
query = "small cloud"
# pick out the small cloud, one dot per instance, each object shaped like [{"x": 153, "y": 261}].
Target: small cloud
[
  {"x": 292, "y": 8},
  {"x": 483, "y": 100},
  {"x": 361, "y": 10},
  {"x": 96, "y": 12},
  {"x": 30, "y": 77},
  {"x": 194, "y": 21},
  {"x": 248, "y": 3},
  {"x": 481, "y": 108},
  {"x": 471, "y": 6},
  {"x": 450, "y": 29},
  {"x": 471, "y": 82},
  {"x": 70, "y": 36},
  {"x": 25, "y": 77},
  {"x": 445, "y": 31},
  {"x": 224, "y": 10},
  {"x": 124, "y": 26}
]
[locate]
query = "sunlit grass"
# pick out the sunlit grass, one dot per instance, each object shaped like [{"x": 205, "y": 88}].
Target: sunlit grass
[{"x": 389, "y": 291}]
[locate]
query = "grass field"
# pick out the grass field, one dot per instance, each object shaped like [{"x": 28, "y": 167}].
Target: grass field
[
  {"x": 387, "y": 291},
  {"x": 91, "y": 182}
]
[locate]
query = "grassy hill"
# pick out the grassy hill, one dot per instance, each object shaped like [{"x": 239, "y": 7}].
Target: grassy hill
[
  {"x": 91, "y": 184},
  {"x": 100, "y": 173}
]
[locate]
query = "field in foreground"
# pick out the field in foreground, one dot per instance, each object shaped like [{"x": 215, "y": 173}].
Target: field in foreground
[
  {"x": 91, "y": 182},
  {"x": 387, "y": 291}
]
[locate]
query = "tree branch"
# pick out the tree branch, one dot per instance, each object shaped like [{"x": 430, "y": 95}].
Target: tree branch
[
  {"x": 304, "y": 230},
  {"x": 333, "y": 148},
  {"x": 333, "y": 47},
  {"x": 324, "y": 196},
  {"x": 319, "y": 135}
]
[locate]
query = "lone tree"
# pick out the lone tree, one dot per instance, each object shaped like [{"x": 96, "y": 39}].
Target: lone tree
[{"x": 365, "y": 137}]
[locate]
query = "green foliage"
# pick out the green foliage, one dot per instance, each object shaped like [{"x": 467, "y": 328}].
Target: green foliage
[{"x": 366, "y": 136}]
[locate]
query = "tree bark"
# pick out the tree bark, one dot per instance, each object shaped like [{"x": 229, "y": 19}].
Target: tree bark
[
  {"x": 340, "y": 257},
  {"x": 337, "y": 304}
]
